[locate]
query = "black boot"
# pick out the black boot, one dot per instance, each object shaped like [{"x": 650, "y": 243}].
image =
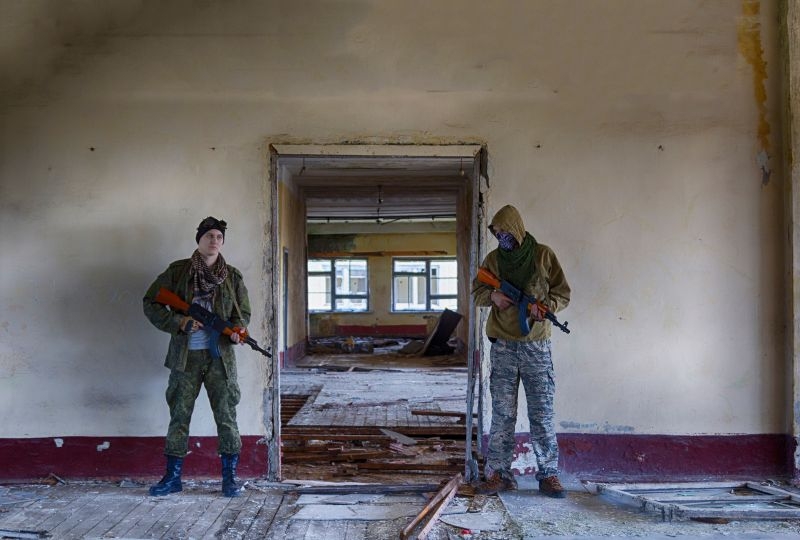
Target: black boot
[
  {"x": 230, "y": 487},
  {"x": 171, "y": 483}
]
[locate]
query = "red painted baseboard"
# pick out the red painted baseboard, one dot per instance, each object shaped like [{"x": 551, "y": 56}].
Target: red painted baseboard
[
  {"x": 670, "y": 457},
  {"x": 118, "y": 457},
  {"x": 613, "y": 457}
]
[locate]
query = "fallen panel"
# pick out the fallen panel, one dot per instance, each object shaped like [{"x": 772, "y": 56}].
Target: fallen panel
[
  {"x": 345, "y": 488},
  {"x": 728, "y": 500},
  {"x": 359, "y": 498},
  {"x": 476, "y": 521},
  {"x": 356, "y": 512},
  {"x": 436, "y": 343}
]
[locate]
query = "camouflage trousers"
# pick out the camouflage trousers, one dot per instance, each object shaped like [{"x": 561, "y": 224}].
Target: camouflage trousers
[
  {"x": 223, "y": 395},
  {"x": 528, "y": 362}
]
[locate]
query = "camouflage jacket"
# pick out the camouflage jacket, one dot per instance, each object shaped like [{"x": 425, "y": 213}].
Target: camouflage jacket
[{"x": 176, "y": 279}]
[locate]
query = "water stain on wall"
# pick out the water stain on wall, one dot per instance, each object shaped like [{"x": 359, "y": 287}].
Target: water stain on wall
[
  {"x": 749, "y": 40},
  {"x": 331, "y": 243}
]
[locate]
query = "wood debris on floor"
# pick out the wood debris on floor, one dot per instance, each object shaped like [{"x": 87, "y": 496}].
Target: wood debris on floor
[
  {"x": 373, "y": 453},
  {"x": 367, "y": 426},
  {"x": 367, "y": 353},
  {"x": 428, "y": 515}
]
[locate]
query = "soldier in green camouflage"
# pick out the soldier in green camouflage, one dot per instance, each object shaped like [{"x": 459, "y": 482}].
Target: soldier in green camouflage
[
  {"x": 205, "y": 279},
  {"x": 533, "y": 269}
]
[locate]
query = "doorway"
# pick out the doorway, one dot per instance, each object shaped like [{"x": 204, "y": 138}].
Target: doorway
[{"x": 387, "y": 236}]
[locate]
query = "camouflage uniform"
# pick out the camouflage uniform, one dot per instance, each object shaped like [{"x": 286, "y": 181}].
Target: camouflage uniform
[
  {"x": 519, "y": 358},
  {"x": 191, "y": 369},
  {"x": 529, "y": 362}
]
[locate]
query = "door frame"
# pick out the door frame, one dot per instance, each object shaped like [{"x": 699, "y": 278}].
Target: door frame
[{"x": 277, "y": 319}]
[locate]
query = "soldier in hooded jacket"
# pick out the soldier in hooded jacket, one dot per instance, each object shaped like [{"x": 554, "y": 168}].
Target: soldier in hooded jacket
[{"x": 533, "y": 269}]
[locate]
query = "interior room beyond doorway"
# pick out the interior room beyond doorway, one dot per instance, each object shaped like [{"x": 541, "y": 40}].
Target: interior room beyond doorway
[{"x": 387, "y": 251}]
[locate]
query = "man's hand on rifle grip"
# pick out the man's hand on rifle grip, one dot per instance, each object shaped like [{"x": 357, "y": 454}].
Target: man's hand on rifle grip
[
  {"x": 238, "y": 334},
  {"x": 538, "y": 311},
  {"x": 189, "y": 325},
  {"x": 500, "y": 300}
]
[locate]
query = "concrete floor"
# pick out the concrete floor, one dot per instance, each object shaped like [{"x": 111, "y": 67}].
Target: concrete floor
[{"x": 584, "y": 514}]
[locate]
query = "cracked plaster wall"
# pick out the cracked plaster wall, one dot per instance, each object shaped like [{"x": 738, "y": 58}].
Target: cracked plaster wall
[{"x": 628, "y": 133}]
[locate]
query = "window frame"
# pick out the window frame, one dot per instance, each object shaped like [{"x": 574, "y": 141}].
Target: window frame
[
  {"x": 427, "y": 275},
  {"x": 334, "y": 296}
]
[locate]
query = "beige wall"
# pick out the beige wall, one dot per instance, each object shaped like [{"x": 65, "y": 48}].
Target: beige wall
[
  {"x": 292, "y": 234},
  {"x": 627, "y": 132}
]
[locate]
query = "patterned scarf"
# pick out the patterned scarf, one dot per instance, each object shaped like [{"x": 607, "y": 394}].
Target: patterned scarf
[
  {"x": 518, "y": 266},
  {"x": 207, "y": 279}
]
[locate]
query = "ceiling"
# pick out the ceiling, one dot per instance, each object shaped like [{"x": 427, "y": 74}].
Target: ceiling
[{"x": 369, "y": 188}]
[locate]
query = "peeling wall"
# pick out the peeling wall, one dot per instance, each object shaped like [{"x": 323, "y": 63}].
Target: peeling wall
[
  {"x": 791, "y": 129},
  {"x": 629, "y": 134},
  {"x": 752, "y": 50}
]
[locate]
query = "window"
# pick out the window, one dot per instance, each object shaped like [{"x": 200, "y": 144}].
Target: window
[
  {"x": 337, "y": 285},
  {"x": 424, "y": 284}
]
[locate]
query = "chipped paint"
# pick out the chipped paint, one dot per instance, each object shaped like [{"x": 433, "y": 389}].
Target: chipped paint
[
  {"x": 59, "y": 442},
  {"x": 105, "y": 446},
  {"x": 525, "y": 461},
  {"x": 749, "y": 40},
  {"x": 762, "y": 159},
  {"x": 596, "y": 428}
]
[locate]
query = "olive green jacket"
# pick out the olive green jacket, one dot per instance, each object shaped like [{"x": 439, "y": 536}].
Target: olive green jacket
[
  {"x": 176, "y": 279},
  {"x": 547, "y": 284}
]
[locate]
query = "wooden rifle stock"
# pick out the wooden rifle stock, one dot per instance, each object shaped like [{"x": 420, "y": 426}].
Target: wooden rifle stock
[
  {"x": 169, "y": 298},
  {"x": 484, "y": 276}
]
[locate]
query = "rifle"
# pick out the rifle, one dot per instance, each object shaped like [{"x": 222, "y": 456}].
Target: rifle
[
  {"x": 214, "y": 323},
  {"x": 525, "y": 302}
]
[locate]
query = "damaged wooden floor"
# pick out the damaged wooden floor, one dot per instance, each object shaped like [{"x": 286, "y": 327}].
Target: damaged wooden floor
[
  {"x": 270, "y": 511},
  {"x": 267, "y": 511},
  {"x": 338, "y": 425},
  {"x": 84, "y": 510}
]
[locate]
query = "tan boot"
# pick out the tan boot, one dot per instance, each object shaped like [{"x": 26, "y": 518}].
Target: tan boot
[
  {"x": 551, "y": 487},
  {"x": 496, "y": 483}
]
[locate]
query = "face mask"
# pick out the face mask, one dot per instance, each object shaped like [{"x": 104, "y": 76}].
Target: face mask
[{"x": 507, "y": 241}]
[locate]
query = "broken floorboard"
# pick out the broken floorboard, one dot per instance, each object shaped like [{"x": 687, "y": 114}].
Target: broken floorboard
[
  {"x": 585, "y": 514},
  {"x": 709, "y": 500},
  {"x": 373, "y": 453},
  {"x": 431, "y": 512}
]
